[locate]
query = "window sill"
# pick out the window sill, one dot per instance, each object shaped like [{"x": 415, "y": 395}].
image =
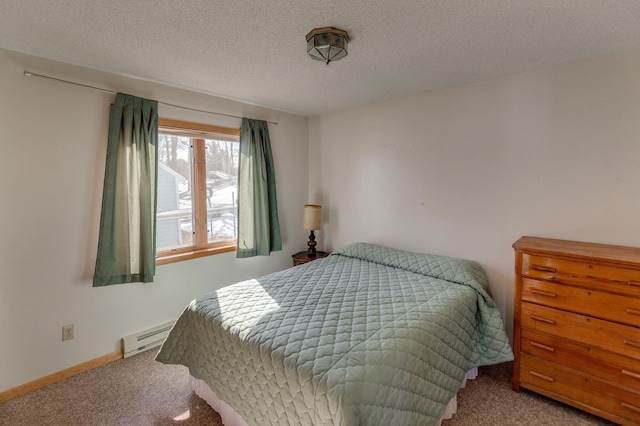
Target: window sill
[{"x": 172, "y": 257}]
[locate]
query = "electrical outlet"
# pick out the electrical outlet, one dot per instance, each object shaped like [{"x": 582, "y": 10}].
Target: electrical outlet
[{"x": 67, "y": 332}]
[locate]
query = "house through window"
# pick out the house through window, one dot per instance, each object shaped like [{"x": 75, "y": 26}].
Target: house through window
[{"x": 197, "y": 190}]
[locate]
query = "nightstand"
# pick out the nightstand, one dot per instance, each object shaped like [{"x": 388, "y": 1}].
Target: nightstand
[{"x": 302, "y": 257}]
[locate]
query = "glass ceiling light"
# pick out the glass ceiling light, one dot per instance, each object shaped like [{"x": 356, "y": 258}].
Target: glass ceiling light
[{"x": 327, "y": 44}]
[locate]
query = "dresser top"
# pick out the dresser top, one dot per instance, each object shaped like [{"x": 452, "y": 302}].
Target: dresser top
[{"x": 578, "y": 250}]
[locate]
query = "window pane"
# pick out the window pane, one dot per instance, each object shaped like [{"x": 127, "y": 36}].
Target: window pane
[
  {"x": 222, "y": 189},
  {"x": 174, "y": 227}
]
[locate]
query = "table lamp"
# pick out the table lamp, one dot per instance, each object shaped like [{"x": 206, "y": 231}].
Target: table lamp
[{"x": 311, "y": 222}]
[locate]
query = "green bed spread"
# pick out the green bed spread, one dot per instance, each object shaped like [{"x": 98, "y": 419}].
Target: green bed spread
[{"x": 366, "y": 336}]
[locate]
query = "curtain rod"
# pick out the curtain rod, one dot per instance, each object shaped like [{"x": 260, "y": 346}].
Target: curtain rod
[{"x": 33, "y": 74}]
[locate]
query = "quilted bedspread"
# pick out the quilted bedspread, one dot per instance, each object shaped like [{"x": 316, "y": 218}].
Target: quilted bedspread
[{"x": 366, "y": 336}]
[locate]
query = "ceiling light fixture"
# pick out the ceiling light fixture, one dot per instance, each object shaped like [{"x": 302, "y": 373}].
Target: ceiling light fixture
[{"x": 327, "y": 44}]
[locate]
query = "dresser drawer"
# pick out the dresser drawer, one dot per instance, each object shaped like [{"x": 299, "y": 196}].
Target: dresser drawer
[
  {"x": 617, "y": 280},
  {"x": 581, "y": 388},
  {"x": 616, "y": 338},
  {"x": 595, "y": 361},
  {"x": 598, "y": 304}
]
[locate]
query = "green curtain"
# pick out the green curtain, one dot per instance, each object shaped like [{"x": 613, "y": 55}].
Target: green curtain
[
  {"x": 258, "y": 226},
  {"x": 127, "y": 242}
]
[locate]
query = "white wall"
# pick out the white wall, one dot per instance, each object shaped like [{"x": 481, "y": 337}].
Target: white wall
[
  {"x": 53, "y": 139},
  {"x": 467, "y": 171}
]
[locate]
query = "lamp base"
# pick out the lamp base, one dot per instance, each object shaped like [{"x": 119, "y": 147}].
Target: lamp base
[{"x": 311, "y": 252}]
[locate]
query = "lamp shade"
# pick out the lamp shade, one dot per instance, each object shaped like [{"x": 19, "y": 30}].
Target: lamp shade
[{"x": 312, "y": 217}]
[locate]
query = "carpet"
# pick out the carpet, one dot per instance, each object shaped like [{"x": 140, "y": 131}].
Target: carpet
[{"x": 139, "y": 391}]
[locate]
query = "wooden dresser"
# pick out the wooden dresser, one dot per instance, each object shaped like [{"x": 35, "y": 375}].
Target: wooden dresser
[{"x": 577, "y": 325}]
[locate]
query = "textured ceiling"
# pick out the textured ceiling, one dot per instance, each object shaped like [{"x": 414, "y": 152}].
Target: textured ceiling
[{"x": 254, "y": 50}]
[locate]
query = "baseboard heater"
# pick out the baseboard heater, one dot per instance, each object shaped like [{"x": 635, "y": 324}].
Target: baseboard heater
[{"x": 146, "y": 339}]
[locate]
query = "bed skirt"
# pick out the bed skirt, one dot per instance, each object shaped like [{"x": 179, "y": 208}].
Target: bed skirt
[{"x": 230, "y": 417}]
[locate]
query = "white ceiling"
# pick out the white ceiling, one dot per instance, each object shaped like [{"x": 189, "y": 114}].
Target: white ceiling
[{"x": 254, "y": 50}]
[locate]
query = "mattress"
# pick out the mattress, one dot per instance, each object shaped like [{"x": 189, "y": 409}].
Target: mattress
[{"x": 368, "y": 335}]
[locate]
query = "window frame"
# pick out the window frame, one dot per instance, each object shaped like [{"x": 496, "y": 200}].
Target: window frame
[{"x": 198, "y": 132}]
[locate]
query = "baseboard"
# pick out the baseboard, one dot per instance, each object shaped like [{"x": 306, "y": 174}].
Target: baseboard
[{"x": 60, "y": 375}]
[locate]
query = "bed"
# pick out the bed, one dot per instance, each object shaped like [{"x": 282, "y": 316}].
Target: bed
[{"x": 369, "y": 335}]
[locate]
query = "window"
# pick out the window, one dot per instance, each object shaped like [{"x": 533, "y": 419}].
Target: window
[{"x": 197, "y": 190}]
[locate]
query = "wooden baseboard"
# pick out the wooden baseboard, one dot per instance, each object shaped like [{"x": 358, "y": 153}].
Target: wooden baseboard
[{"x": 60, "y": 375}]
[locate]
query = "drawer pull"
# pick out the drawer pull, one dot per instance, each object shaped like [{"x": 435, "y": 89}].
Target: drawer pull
[
  {"x": 633, "y": 311},
  {"x": 634, "y": 283},
  {"x": 630, "y": 407},
  {"x": 541, "y": 268},
  {"x": 548, "y": 294},
  {"x": 631, "y": 374},
  {"x": 632, "y": 343},
  {"x": 541, "y": 376},
  {"x": 541, "y": 346},
  {"x": 547, "y": 320}
]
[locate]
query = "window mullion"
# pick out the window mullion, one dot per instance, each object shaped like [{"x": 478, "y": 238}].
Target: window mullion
[{"x": 199, "y": 200}]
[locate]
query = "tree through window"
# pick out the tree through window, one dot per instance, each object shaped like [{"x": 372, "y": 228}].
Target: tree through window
[{"x": 197, "y": 190}]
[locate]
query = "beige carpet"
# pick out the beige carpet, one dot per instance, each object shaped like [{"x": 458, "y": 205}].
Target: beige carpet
[
  {"x": 141, "y": 391},
  {"x": 489, "y": 400}
]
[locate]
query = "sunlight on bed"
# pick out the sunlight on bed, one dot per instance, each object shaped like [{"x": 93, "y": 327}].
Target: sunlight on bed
[{"x": 257, "y": 304}]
